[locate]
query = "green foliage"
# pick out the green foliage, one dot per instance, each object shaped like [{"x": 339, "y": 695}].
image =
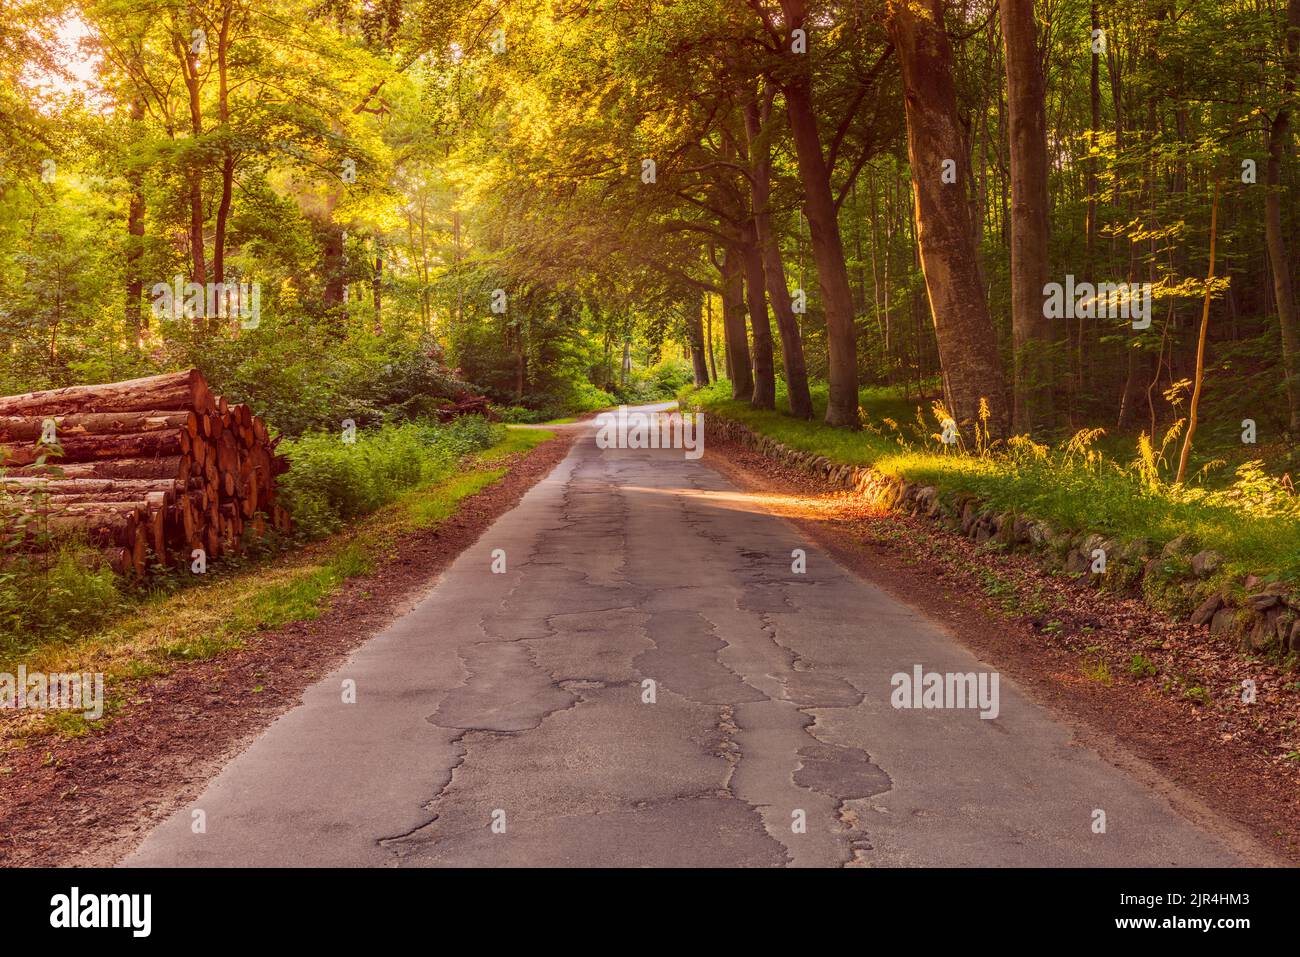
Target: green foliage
[
  {"x": 1254, "y": 522},
  {"x": 331, "y": 481},
  {"x": 62, "y": 594},
  {"x": 1140, "y": 666}
]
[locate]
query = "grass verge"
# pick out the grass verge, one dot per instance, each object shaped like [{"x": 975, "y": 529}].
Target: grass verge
[
  {"x": 1253, "y": 522},
  {"x": 207, "y": 619}
]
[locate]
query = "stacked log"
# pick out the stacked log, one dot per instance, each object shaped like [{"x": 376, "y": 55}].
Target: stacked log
[
  {"x": 465, "y": 405},
  {"x": 146, "y": 470}
]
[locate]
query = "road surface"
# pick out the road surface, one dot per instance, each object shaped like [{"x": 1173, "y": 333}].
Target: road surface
[{"x": 507, "y": 719}]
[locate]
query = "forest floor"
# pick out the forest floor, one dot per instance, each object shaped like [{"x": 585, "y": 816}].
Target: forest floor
[
  {"x": 1074, "y": 648},
  {"x": 74, "y": 798}
]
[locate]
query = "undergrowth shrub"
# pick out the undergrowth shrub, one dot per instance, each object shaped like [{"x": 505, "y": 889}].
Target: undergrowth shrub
[{"x": 330, "y": 481}]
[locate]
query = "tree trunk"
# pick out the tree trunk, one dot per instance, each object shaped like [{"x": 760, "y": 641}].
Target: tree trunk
[
  {"x": 796, "y": 369},
  {"x": 1199, "y": 378},
  {"x": 17, "y": 428},
  {"x": 968, "y": 350},
  {"x": 764, "y": 366},
  {"x": 171, "y": 390},
  {"x": 136, "y": 320},
  {"x": 1279, "y": 144},
  {"x": 194, "y": 170},
  {"x": 708, "y": 333},
  {"x": 85, "y": 448},
  {"x": 227, "y": 163},
  {"x": 1028, "y": 149},
  {"x": 733, "y": 325},
  {"x": 695, "y": 336},
  {"x": 824, "y": 230}
]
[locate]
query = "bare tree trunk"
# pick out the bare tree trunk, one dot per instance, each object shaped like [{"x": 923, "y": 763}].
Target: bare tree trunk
[
  {"x": 1279, "y": 142},
  {"x": 1200, "y": 347},
  {"x": 136, "y": 320},
  {"x": 761, "y": 328},
  {"x": 796, "y": 369},
  {"x": 1028, "y": 149},
  {"x": 695, "y": 335},
  {"x": 377, "y": 286},
  {"x": 713, "y": 360},
  {"x": 824, "y": 231},
  {"x": 968, "y": 350},
  {"x": 733, "y": 325},
  {"x": 227, "y": 156},
  {"x": 194, "y": 172}
]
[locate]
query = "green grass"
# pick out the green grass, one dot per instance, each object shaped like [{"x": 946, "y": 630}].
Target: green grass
[
  {"x": 1252, "y": 522},
  {"x": 208, "y": 619},
  {"x": 515, "y": 440}
]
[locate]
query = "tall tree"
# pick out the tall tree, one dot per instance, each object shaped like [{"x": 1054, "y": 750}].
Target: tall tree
[
  {"x": 758, "y": 131},
  {"x": 819, "y": 208},
  {"x": 1027, "y": 127},
  {"x": 1279, "y": 152},
  {"x": 967, "y": 345}
]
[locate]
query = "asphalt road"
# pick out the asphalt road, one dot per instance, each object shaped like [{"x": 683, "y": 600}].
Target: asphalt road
[{"x": 506, "y": 720}]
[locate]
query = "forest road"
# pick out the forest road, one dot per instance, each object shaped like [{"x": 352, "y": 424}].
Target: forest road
[{"x": 648, "y": 680}]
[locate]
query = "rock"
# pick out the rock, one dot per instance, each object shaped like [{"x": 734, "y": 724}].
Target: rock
[
  {"x": 1205, "y": 611},
  {"x": 1224, "y": 622},
  {"x": 1263, "y": 601},
  {"x": 968, "y": 515},
  {"x": 1205, "y": 563},
  {"x": 1262, "y": 633},
  {"x": 1077, "y": 562},
  {"x": 1136, "y": 551},
  {"x": 1178, "y": 546},
  {"x": 1090, "y": 544}
]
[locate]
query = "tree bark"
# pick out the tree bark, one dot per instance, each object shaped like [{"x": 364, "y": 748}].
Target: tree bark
[
  {"x": 968, "y": 350},
  {"x": 172, "y": 390},
  {"x": 1194, "y": 407},
  {"x": 16, "y": 428},
  {"x": 1279, "y": 143},
  {"x": 733, "y": 324},
  {"x": 761, "y": 329},
  {"x": 136, "y": 319},
  {"x": 1029, "y": 202},
  {"x": 84, "y": 448},
  {"x": 787, "y": 323},
  {"x": 194, "y": 170},
  {"x": 695, "y": 336},
  {"x": 824, "y": 231}
]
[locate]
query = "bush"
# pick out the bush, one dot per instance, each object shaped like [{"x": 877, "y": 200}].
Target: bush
[
  {"x": 331, "y": 481},
  {"x": 68, "y": 593}
]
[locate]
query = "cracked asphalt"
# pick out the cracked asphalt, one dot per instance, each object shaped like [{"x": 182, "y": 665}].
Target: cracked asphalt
[{"x": 519, "y": 699}]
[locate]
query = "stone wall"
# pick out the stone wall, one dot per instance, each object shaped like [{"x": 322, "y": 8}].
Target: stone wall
[{"x": 1178, "y": 579}]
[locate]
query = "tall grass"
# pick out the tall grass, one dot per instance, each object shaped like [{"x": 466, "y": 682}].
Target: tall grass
[
  {"x": 69, "y": 591},
  {"x": 1253, "y": 521},
  {"x": 331, "y": 481}
]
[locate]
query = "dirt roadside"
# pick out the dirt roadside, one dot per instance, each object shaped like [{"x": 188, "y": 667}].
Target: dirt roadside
[
  {"x": 1219, "y": 764},
  {"x": 86, "y": 801}
]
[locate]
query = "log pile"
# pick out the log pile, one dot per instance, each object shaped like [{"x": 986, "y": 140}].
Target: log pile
[
  {"x": 150, "y": 470},
  {"x": 465, "y": 405}
]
